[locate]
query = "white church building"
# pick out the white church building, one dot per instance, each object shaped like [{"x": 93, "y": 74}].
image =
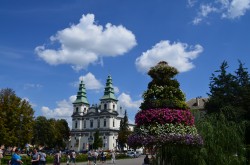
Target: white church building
[{"x": 105, "y": 117}]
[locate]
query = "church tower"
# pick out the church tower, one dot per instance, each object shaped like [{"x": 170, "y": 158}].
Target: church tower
[
  {"x": 80, "y": 106},
  {"x": 108, "y": 100}
]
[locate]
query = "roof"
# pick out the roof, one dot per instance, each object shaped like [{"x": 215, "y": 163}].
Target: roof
[{"x": 197, "y": 103}]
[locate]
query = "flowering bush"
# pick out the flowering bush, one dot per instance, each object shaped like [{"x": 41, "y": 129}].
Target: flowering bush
[
  {"x": 162, "y": 116},
  {"x": 138, "y": 140},
  {"x": 164, "y": 126}
]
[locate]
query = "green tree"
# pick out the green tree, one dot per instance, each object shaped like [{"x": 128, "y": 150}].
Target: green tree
[
  {"x": 124, "y": 132},
  {"x": 50, "y": 132},
  {"x": 16, "y": 119},
  {"x": 224, "y": 140},
  {"x": 97, "y": 140},
  {"x": 163, "y": 91},
  {"x": 222, "y": 89}
]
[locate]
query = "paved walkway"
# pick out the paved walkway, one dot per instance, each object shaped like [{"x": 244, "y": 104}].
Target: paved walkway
[{"x": 130, "y": 161}]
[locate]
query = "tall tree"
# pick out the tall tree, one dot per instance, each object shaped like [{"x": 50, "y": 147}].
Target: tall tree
[
  {"x": 16, "y": 119},
  {"x": 124, "y": 132},
  {"x": 97, "y": 140},
  {"x": 222, "y": 89}
]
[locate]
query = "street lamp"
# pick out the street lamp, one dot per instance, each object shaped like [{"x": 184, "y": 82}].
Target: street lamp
[{"x": 21, "y": 120}]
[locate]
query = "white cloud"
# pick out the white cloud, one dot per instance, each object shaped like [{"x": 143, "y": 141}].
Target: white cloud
[
  {"x": 86, "y": 43},
  {"x": 191, "y": 3},
  {"x": 63, "y": 111},
  {"x": 116, "y": 89},
  {"x": 91, "y": 82},
  {"x": 177, "y": 54},
  {"x": 229, "y": 9},
  {"x": 205, "y": 10},
  {"x": 236, "y": 9},
  {"x": 126, "y": 101}
]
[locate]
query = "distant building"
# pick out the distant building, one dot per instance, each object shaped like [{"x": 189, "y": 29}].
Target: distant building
[
  {"x": 197, "y": 103},
  {"x": 105, "y": 117},
  {"x": 197, "y": 107}
]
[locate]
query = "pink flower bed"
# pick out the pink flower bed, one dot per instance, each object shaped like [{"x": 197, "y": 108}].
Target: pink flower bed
[{"x": 162, "y": 116}]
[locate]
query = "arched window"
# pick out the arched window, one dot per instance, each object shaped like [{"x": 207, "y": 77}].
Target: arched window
[
  {"x": 91, "y": 123},
  {"x": 76, "y": 109},
  {"x": 105, "y": 106},
  {"x": 98, "y": 123},
  {"x": 113, "y": 122},
  {"x": 104, "y": 123},
  {"x": 76, "y": 124},
  {"x": 113, "y": 106}
]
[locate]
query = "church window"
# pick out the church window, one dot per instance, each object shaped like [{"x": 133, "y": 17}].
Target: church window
[
  {"x": 113, "y": 122},
  {"x": 114, "y": 106},
  {"x": 91, "y": 123},
  {"x": 104, "y": 123},
  {"x": 76, "y": 124},
  {"x": 76, "y": 109},
  {"x": 85, "y": 110},
  {"x": 105, "y": 106}
]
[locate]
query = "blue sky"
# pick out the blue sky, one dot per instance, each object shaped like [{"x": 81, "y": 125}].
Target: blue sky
[{"x": 47, "y": 46}]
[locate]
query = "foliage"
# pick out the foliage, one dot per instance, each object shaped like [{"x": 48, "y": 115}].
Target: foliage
[
  {"x": 164, "y": 121},
  {"x": 163, "y": 91},
  {"x": 231, "y": 90},
  {"x": 223, "y": 140},
  {"x": 124, "y": 132},
  {"x": 97, "y": 140},
  {"x": 14, "y": 129},
  {"x": 50, "y": 132}
]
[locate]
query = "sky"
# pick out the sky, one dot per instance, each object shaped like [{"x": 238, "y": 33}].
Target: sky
[{"x": 47, "y": 47}]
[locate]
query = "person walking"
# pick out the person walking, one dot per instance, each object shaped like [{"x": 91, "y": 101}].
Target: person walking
[
  {"x": 42, "y": 158},
  {"x": 73, "y": 157},
  {"x": 16, "y": 159},
  {"x": 57, "y": 158},
  {"x": 89, "y": 157},
  {"x": 1, "y": 153},
  {"x": 113, "y": 157},
  {"x": 146, "y": 160},
  {"x": 68, "y": 158},
  {"x": 35, "y": 157}
]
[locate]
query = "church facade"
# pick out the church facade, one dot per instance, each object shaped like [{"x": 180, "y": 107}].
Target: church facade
[{"x": 105, "y": 117}]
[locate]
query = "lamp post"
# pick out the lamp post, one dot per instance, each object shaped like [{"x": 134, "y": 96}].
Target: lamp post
[{"x": 21, "y": 120}]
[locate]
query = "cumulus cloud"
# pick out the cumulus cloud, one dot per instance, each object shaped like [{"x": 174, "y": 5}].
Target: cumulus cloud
[
  {"x": 177, "y": 54},
  {"x": 227, "y": 9},
  {"x": 63, "y": 110},
  {"x": 236, "y": 8},
  {"x": 91, "y": 82},
  {"x": 86, "y": 43},
  {"x": 126, "y": 101}
]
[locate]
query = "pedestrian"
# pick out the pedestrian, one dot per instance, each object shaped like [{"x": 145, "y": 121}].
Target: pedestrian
[
  {"x": 16, "y": 159},
  {"x": 73, "y": 157},
  {"x": 89, "y": 157},
  {"x": 113, "y": 157},
  {"x": 35, "y": 157},
  {"x": 1, "y": 153},
  {"x": 68, "y": 158},
  {"x": 57, "y": 158},
  {"x": 94, "y": 155},
  {"x": 42, "y": 158},
  {"x": 146, "y": 160}
]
